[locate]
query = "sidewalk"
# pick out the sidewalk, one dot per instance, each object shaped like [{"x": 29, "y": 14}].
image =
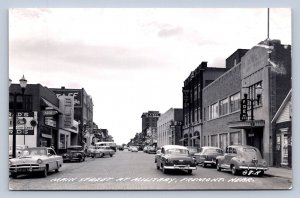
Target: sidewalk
[{"x": 279, "y": 172}]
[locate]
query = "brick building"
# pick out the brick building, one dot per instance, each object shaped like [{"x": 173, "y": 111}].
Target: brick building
[
  {"x": 169, "y": 127},
  {"x": 149, "y": 119},
  {"x": 192, "y": 101}
]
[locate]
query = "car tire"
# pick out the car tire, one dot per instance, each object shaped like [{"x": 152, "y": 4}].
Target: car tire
[
  {"x": 234, "y": 171},
  {"x": 218, "y": 167},
  {"x": 110, "y": 155},
  {"x": 189, "y": 172},
  {"x": 45, "y": 172},
  {"x": 14, "y": 175},
  {"x": 204, "y": 165},
  {"x": 157, "y": 167},
  {"x": 261, "y": 174}
]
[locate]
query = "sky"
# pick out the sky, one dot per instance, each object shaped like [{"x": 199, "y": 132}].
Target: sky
[{"x": 131, "y": 60}]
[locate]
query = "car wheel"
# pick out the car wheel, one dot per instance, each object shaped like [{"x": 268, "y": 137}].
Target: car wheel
[
  {"x": 45, "y": 172},
  {"x": 233, "y": 170},
  {"x": 157, "y": 167},
  {"x": 189, "y": 172},
  {"x": 14, "y": 175},
  {"x": 218, "y": 167},
  {"x": 111, "y": 155},
  {"x": 204, "y": 165}
]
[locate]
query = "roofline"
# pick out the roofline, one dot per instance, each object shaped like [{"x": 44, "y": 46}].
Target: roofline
[{"x": 283, "y": 104}]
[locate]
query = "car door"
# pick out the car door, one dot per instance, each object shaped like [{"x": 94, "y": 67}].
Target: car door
[
  {"x": 228, "y": 156},
  {"x": 159, "y": 157},
  {"x": 51, "y": 159}
]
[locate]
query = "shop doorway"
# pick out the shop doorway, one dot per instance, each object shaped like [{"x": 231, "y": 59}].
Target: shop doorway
[{"x": 255, "y": 138}]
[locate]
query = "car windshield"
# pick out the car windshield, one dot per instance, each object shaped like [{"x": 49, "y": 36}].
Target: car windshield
[
  {"x": 251, "y": 153},
  {"x": 213, "y": 151},
  {"x": 34, "y": 151},
  {"x": 176, "y": 151}
]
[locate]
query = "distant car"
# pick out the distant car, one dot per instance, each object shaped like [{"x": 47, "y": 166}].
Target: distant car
[
  {"x": 175, "y": 157},
  {"x": 90, "y": 150},
  {"x": 145, "y": 150},
  {"x": 151, "y": 150},
  {"x": 192, "y": 150},
  {"x": 19, "y": 150},
  {"x": 134, "y": 149},
  {"x": 36, "y": 159},
  {"x": 158, "y": 153},
  {"x": 208, "y": 155},
  {"x": 121, "y": 148},
  {"x": 74, "y": 153},
  {"x": 129, "y": 148},
  {"x": 102, "y": 151},
  {"x": 242, "y": 159}
]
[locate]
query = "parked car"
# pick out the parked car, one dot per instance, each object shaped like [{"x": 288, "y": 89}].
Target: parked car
[
  {"x": 158, "y": 153},
  {"x": 151, "y": 150},
  {"x": 192, "y": 150},
  {"x": 134, "y": 149},
  {"x": 90, "y": 150},
  {"x": 145, "y": 149},
  {"x": 74, "y": 153},
  {"x": 36, "y": 159},
  {"x": 121, "y": 148},
  {"x": 102, "y": 151},
  {"x": 242, "y": 159},
  {"x": 175, "y": 157},
  {"x": 19, "y": 150},
  {"x": 207, "y": 155}
]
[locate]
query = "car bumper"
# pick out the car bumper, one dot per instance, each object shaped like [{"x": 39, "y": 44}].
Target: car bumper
[
  {"x": 26, "y": 169},
  {"x": 253, "y": 168},
  {"x": 181, "y": 167},
  {"x": 209, "y": 162}
]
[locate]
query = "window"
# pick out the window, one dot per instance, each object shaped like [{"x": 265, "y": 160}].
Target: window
[
  {"x": 235, "y": 138},
  {"x": 235, "y": 103},
  {"x": 253, "y": 92},
  {"x": 214, "y": 111},
  {"x": 223, "y": 141},
  {"x": 214, "y": 140},
  {"x": 224, "y": 107}
]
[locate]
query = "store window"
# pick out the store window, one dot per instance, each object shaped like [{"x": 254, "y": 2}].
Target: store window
[
  {"x": 235, "y": 138},
  {"x": 223, "y": 141}
]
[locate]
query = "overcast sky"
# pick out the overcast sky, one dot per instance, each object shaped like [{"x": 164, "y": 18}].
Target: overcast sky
[{"x": 131, "y": 60}]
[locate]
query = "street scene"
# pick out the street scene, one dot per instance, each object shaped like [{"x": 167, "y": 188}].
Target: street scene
[
  {"x": 137, "y": 171},
  {"x": 136, "y": 99}
]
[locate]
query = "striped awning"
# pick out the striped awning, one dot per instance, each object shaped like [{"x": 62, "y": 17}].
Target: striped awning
[{"x": 246, "y": 124}]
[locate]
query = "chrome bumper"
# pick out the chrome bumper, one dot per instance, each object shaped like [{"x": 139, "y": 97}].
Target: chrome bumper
[
  {"x": 253, "y": 168},
  {"x": 181, "y": 167},
  {"x": 24, "y": 169}
]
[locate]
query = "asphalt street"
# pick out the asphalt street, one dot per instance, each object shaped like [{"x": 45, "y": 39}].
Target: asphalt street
[{"x": 137, "y": 171}]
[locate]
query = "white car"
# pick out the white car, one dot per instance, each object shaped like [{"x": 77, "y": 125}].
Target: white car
[
  {"x": 19, "y": 150},
  {"x": 35, "y": 159},
  {"x": 134, "y": 149}
]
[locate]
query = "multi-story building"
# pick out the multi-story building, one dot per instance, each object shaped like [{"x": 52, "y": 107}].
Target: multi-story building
[
  {"x": 169, "y": 127},
  {"x": 266, "y": 67},
  {"x": 192, "y": 101},
  {"x": 149, "y": 120},
  {"x": 37, "y": 116},
  {"x": 83, "y": 111}
]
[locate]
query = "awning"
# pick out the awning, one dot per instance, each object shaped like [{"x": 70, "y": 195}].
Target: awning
[
  {"x": 246, "y": 124},
  {"x": 51, "y": 105},
  {"x": 195, "y": 137},
  {"x": 182, "y": 139}
]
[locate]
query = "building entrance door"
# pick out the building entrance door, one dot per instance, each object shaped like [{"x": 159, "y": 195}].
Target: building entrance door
[{"x": 255, "y": 138}]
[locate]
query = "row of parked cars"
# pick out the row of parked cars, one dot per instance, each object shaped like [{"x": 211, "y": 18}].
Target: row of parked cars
[
  {"x": 43, "y": 159},
  {"x": 239, "y": 159}
]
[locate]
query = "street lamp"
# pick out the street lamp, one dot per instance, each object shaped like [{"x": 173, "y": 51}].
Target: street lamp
[
  {"x": 245, "y": 107},
  {"x": 23, "y": 84}
]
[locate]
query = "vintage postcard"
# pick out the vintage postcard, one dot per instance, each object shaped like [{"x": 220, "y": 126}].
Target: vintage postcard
[{"x": 150, "y": 99}]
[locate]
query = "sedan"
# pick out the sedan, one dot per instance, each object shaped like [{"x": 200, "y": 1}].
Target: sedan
[
  {"x": 242, "y": 159},
  {"x": 207, "y": 155},
  {"x": 37, "y": 159}
]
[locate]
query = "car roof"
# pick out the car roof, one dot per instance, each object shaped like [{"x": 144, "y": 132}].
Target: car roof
[
  {"x": 213, "y": 147},
  {"x": 174, "y": 147}
]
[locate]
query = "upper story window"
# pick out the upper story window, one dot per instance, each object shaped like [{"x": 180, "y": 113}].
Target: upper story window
[
  {"x": 235, "y": 102},
  {"x": 224, "y": 107},
  {"x": 214, "y": 110},
  {"x": 253, "y": 91}
]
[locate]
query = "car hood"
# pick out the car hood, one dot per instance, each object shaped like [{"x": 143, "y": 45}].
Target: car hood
[{"x": 26, "y": 160}]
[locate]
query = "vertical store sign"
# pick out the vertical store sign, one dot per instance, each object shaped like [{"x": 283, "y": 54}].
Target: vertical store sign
[
  {"x": 26, "y": 122},
  {"x": 244, "y": 113}
]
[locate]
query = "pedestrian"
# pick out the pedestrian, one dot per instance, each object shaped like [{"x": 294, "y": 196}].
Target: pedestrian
[{"x": 52, "y": 146}]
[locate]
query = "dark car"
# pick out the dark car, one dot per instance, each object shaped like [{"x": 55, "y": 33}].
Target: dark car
[
  {"x": 207, "y": 155},
  {"x": 242, "y": 159},
  {"x": 175, "y": 157},
  {"x": 74, "y": 153}
]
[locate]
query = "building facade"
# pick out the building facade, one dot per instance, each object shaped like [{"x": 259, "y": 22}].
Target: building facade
[
  {"x": 192, "y": 102},
  {"x": 169, "y": 127},
  {"x": 83, "y": 111},
  {"x": 37, "y": 116},
  {"x": 265, "y": 67}
]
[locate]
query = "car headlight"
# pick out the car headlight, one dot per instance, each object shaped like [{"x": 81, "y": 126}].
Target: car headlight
[
  {"x": 10, "y": 163},
  {"x": 39, "y": 161}
]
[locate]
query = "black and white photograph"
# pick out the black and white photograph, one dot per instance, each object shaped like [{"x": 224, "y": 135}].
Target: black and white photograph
[{"x": 133, "y": 99}]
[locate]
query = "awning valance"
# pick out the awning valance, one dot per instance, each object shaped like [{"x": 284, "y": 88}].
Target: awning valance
[
  {"x": 182, "y": 139},
  {"x": 195, "y": 137}
]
